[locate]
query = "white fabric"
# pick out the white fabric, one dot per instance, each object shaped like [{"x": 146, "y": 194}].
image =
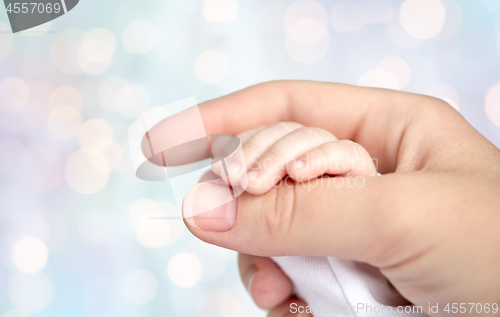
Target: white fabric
[{"x": 338, "y": 287}]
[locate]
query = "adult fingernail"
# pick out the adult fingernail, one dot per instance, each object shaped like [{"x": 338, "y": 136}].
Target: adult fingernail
[
  {"x": 249, "y": 279},
  {"x": 210, "y": 207}
]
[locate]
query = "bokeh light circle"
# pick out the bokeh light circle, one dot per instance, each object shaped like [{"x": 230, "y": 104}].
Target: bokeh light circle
[
  {"x": 141, "y": 286},
  {"x": 307, "y": 54},
  {"x": 184, "y": 269},
  {"x": 108, "y": 92},
  {"x": 212, "y": 257},
  {"x": 380, "y": 79},
  {"x": 422, "y": 19},
  {"x": 446, "y": 93},
  {"x": 95, "y": 134},
  {"x": 307, "y": 31},
  {"x": 155, "y": 233},
  {"x": 30, "y": 254},
  {"x": 139, "y": 37},
  {"x": 93, "y": 68},
  {"x": 306, "y": 9},
  {"x": 98, "y": 45},
  {"x": 97, "y": 48},
  {"x": 398, "y": 67},
  {"x": 221, "y": 303},
  {"x": 492, "y": 104},
  {"x": 212, "y": 67},
  {"x": 87, "y": 171},
  {"x": 230, "y": 305},
  {"x": 111, "y": 150},
  {"x": 143, "y": 209},
  {"x": 30, "y": 292},
  {"x": 14, "y": 94},
  {"x": 65, "y": 50},
  {"x": 64, "y": 122},
  {"x": 67, "y": 96},
  {"x": 307, "y": 38},
  {"x": 147, "y": 218},
  {"x": 131, "y": 101}
]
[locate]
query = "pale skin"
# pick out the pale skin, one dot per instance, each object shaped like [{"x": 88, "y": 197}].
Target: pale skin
[
  {"x": 430, "y": 223},
  {"x": 302, "y": 153}
]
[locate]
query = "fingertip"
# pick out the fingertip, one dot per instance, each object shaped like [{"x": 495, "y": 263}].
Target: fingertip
[
  {"x": 301, "y": 170},
  {"x": 234, "y": 173},
  {"x": 296, "y": 169},
  {"x": 269, "y": 287},
  {"x": 292, "y": 307},
  {"x": 234, "y": 168},
  {"x": 209, "y": 207},
  {"x": 299, "y": 164},
  {"x": 260, "y": 181},
  {"x": 264, "y": 280}
]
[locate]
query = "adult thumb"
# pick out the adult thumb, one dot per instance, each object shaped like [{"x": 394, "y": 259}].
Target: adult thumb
[{"x": 341, "y": 216}]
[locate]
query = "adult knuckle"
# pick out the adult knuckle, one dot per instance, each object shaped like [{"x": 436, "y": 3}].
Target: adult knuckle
[
  {"x": 391, "y": 227},
  {"x": 280, "y": 216},
  {"x": 435, "y": 107}
]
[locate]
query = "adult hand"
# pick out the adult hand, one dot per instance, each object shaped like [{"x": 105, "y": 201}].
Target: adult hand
[{"x": 431, "y": 223}]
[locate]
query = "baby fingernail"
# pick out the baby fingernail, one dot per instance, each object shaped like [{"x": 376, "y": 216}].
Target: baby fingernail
[
  {"x": 253, "y": 174},
  {"x": 234, "y": 167},
  {"x": 300, "y": 163},
  {"x": 210, "y": 207}
]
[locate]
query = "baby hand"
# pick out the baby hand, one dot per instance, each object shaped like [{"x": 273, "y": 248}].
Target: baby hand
[{"x": 288, "y": 148}]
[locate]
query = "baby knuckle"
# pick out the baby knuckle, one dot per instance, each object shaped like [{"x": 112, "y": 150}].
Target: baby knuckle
[
  {"x": 287, "y": 127},
  {"x": 313, "y": 135},
  {"x": 251, "y": 150},
  {"x": 352, "y": 148}
]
